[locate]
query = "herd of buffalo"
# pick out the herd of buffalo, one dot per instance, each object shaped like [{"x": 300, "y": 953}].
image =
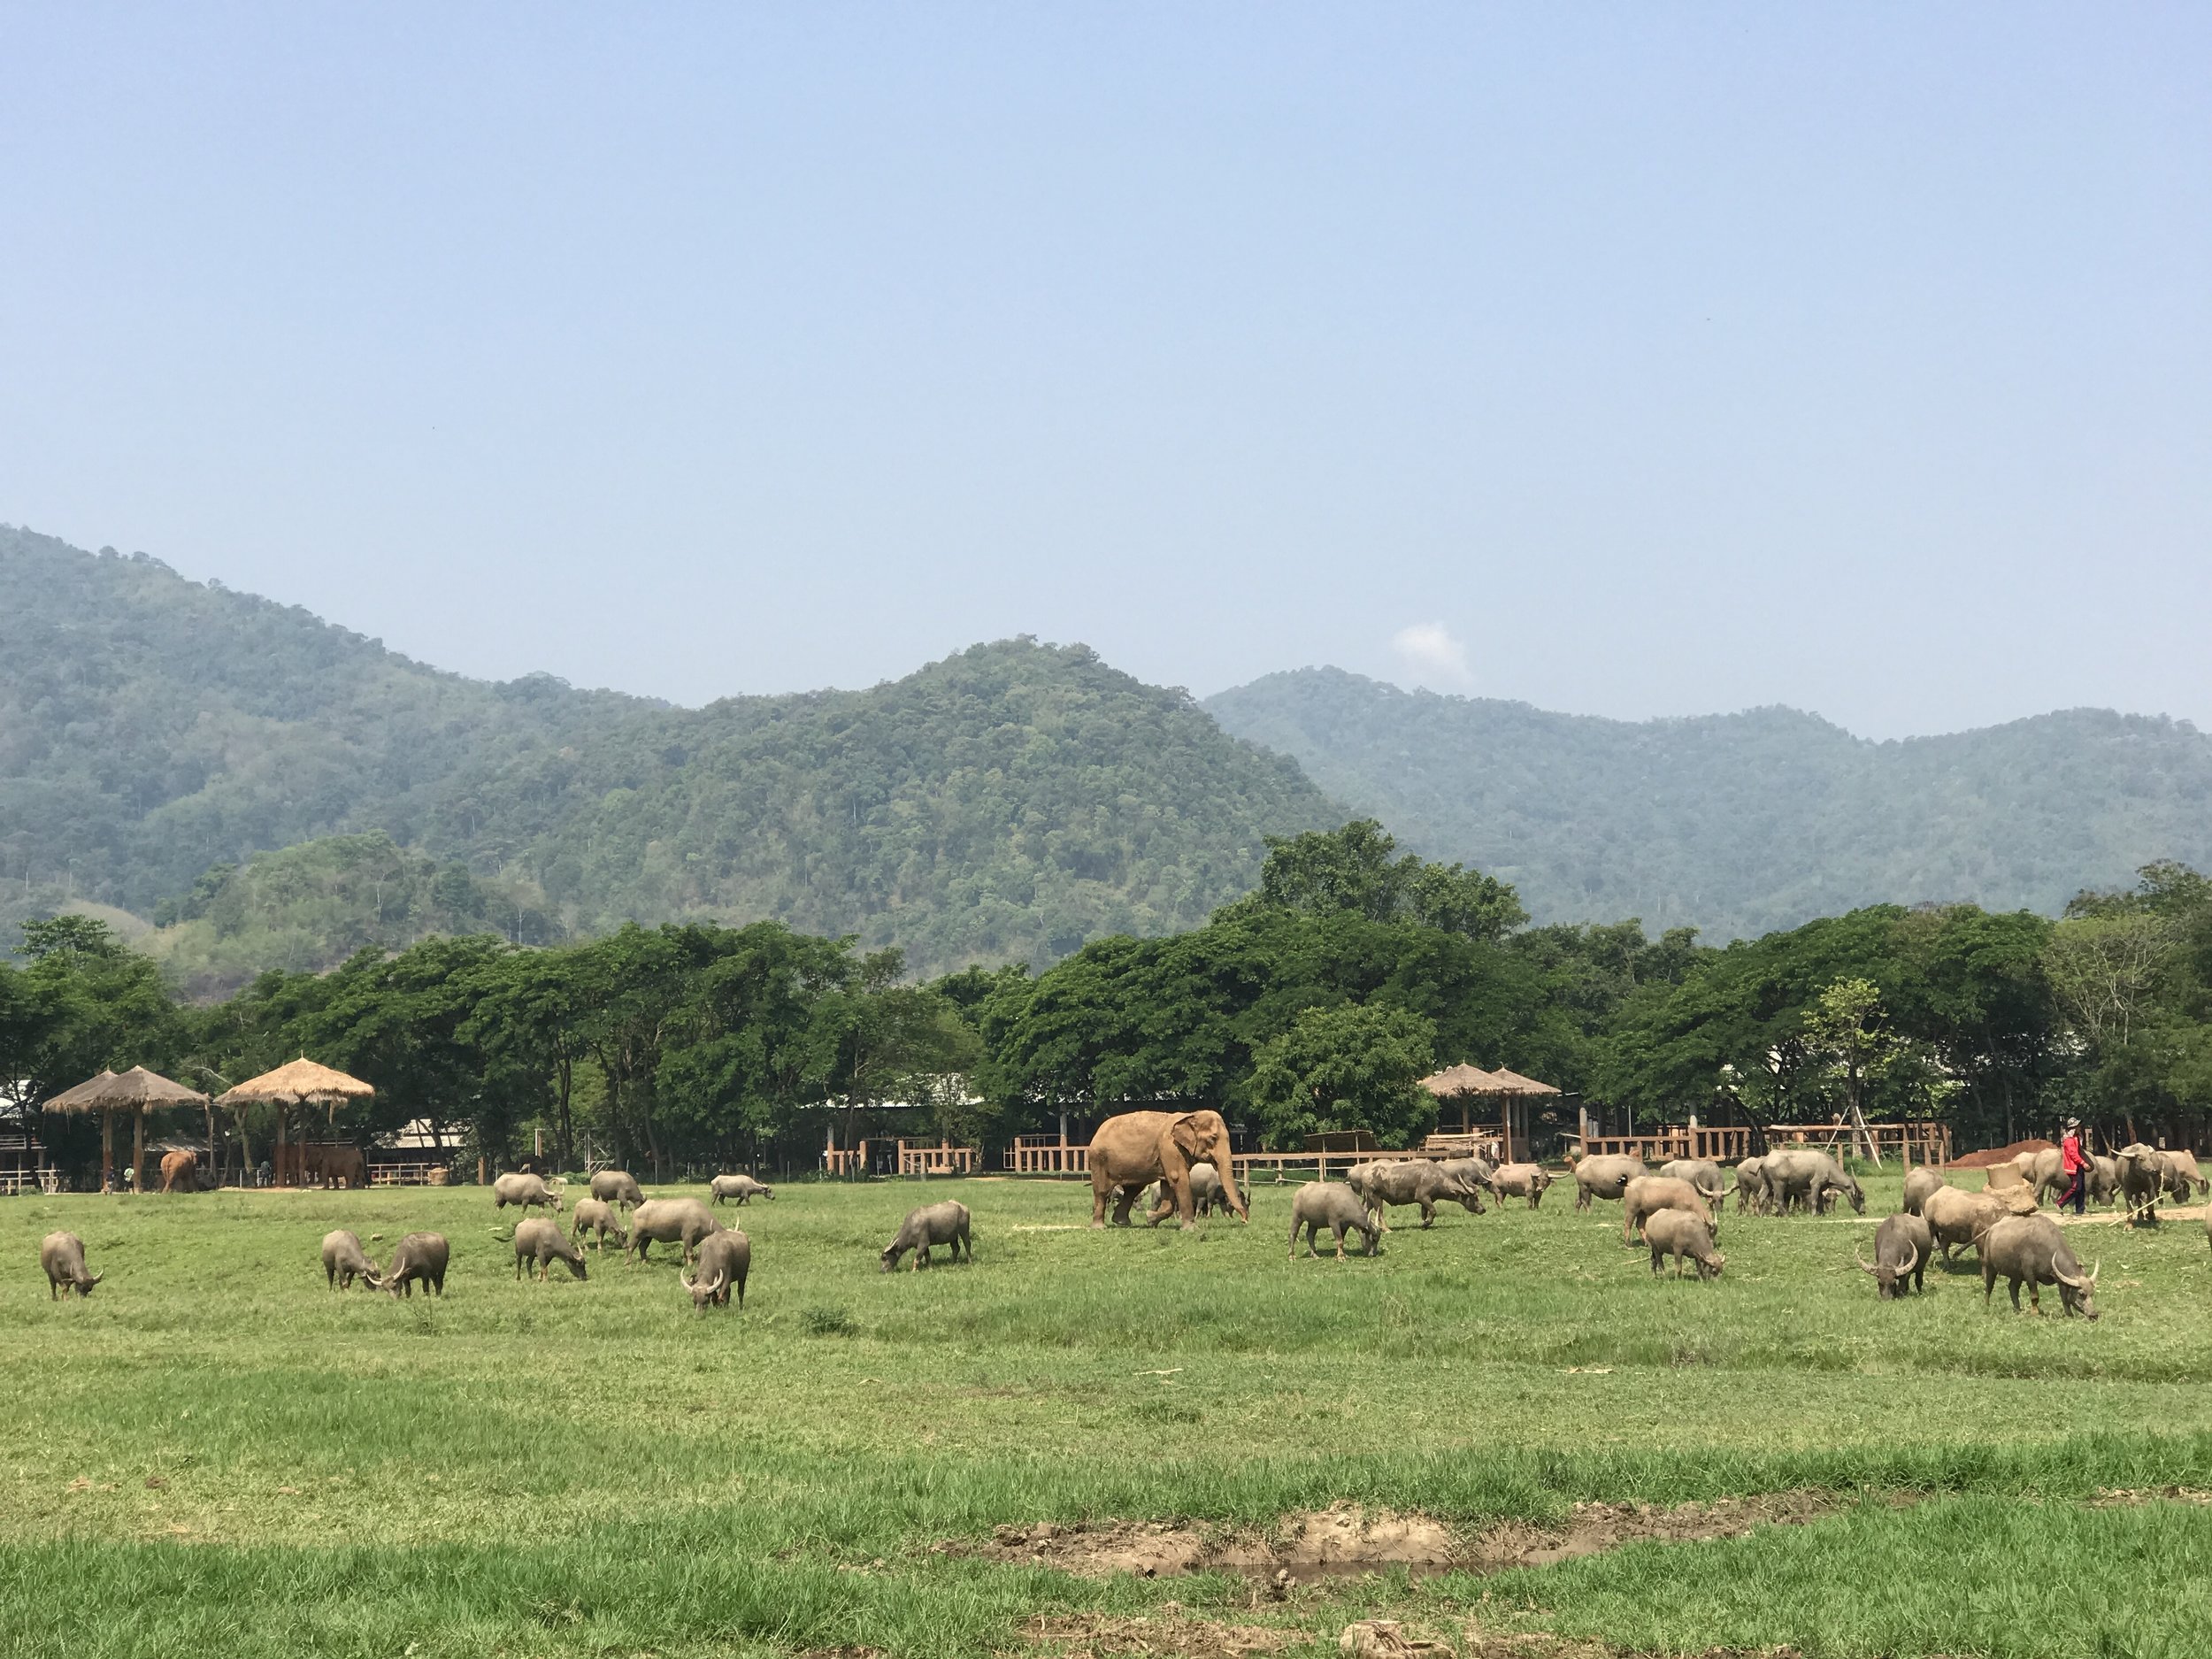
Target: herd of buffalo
[{"x": 1674, "y": 1211}]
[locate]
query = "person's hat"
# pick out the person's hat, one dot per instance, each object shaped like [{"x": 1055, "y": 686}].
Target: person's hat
[{"x": 2073, "y": 1123}]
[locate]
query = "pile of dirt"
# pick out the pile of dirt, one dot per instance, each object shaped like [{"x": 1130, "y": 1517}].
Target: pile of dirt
[
  {"x": 2000, "y": 1155},
  {"x": 1347, "y": 1540}
]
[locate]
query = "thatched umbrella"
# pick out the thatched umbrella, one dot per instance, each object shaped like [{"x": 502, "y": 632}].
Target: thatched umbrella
[
  {"x": 293, "y": 1084},
  {"x": 1511, "y": 1087},
  {"x": 1462, "y": 1082},
  {"x": 137, "y": 1091},
  {"x": 1465, "y": 1083}
]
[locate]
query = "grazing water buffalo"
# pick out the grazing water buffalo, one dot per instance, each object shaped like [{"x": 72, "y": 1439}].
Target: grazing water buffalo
[
  {"x": 1799, "y": 1176},
  {"x": 2181, "y": 1168},
  {"x": 1955, "y": 1219},
  {"x": 932, "y": 1225},
  {"x": 180, "y": 1170},
  {"x": 526, "y": 1190},
  {"x": 1678, "y": 1232},
  {"x": 2034, "y": 1249},
  {"x": 738, "y": 1189},
  {"x": 1521, "y": 1181},
  {"x": 596, "y": 1215},
  {"x": 1702, "y": 1173},
  {"x": 1423, "y": 1182},
  {"x": 1647, "y": 1194},
  {"x": 1918, "y": 1184},
  {"x": 725, "y": 1260},
  {"x": 1606, "y": 1176},
  {"x": 1333, "y": 1205},
  {"x": 62, "y": 1255},
  {"x": 1751, "y": 1185},
  {"x": 539, "y": 1242},
  {"x": 1903, "y": 1245},
  {"x": 618, "y": 1188},
  {"x": 2142, "y": 1173},
  {"x": 670, "y": 1221},
  {"x": 343, "y": 1262},
  {"x": 421, "y": 1256}
]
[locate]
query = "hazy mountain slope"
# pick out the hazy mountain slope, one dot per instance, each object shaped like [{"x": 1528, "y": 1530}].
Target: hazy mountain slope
[
  {"x": 1745, "y": 822},
  {"x": 1009, "y": 802}
]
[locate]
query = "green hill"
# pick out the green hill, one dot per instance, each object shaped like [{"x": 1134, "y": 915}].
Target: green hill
[
  {"x": 1738, "y": 824},
  {"x": 1007, "y": 803}
]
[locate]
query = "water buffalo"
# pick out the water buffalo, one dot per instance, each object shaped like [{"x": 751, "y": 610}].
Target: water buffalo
[
  {"x": 932, "y": 1225},
  {"x": 1800, "y": 1176},
  {"x": 1333, "y": 1205},
  {"x": 1751, "y": 1185},
  {"x": 1678, "y": 1232},
  {"x": 343, "y": 1262},
  {"x": 670, "y": 1221},
  {"x": 62, "y": 1255},
  {"x": 421, "y": 1256},
  {"x": 1918, "y": 1184},
  {"x": 724, "y": 1259},
  {"x": 538, "y": 1242},
  {"x": 2034, "y": 1249},
  {"x": 2142, "y": 1174},
  {"x": 1955, "y": 1220},
  {"x": 2182, "y": 1162},
  {"x": 738, "y": 1189},
  {"x": 1702, "y": 1173},
  {"x": 1903, "y": 1245},
  {"x": 597, "y": 1217},
  {"x": 526, "y": 1190},
  {"x": 1423, "y": 1182},
  {"x": 618, "y": 1188},
  {"x": 180, "y": 1169},
  {"x": 1605, "y": 1176},
  {"x": 1521, "y": 1181},
  {"x": 1647, "y": 1194}
]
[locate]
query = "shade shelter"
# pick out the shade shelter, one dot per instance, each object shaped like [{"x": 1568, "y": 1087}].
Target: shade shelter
[
  {"x": 1469, "y": 1083},
  {"x": 296, "y": 1083},
  {"x": 137, "y": 1091}
]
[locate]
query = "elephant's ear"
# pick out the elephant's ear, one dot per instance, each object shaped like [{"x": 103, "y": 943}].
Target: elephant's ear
[{"x": 1188, "y": 1140}]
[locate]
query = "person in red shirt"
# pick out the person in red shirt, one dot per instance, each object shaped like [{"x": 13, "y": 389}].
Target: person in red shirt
[{"x": 2073, "y": 1162}]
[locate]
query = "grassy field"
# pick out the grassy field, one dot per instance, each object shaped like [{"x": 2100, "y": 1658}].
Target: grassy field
[{"x": 214, "y": 1453}]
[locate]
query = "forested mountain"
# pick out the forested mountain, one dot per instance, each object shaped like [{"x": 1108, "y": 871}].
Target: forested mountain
[
  {"x": 1008, "y": 802},
  {"x": 1738, "y": 824}
]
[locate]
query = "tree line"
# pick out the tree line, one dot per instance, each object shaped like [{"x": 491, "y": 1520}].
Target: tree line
[{"x": 1315, "y": 1002}]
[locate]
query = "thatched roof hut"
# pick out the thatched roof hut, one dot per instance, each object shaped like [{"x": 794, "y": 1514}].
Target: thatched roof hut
[
  {"x": 295, "y": 1083},
  {"x": 1465, "y": 1083},
  {"x": 137, "y": 1091}
]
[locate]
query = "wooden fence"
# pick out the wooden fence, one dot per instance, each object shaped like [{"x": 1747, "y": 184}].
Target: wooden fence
[
  {"x": 921, "y": 1157},
  {"x": 1046, "y": 1154},
  {"x": 1922, "y": 1142}
]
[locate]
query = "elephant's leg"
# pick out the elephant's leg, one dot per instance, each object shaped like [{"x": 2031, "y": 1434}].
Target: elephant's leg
[
  {"x": 1162, "y": 1207},
  {"x": 1101, "y": 1188},
  {"x": 1124, "y": 1200}
]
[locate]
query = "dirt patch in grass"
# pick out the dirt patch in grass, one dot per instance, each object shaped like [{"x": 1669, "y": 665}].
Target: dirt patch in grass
[
  {"x": 1080, "y": 1635},
  {"x": 1481, "y": 1645},
  {"x": 2127, "y": 1497},
  {"x": 1347, "y": 1540}
]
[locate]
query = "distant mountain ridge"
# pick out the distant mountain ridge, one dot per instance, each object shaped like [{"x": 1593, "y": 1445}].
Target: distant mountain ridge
[
  {"x": 1740, "y": 824},
  {"x": 1007, "y": 803}
]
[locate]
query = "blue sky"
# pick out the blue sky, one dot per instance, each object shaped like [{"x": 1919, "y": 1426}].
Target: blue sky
[{"x": 1630, "y": 359}]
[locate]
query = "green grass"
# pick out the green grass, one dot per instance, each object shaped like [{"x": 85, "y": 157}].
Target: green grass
[{"x": 590, "y": 1468}]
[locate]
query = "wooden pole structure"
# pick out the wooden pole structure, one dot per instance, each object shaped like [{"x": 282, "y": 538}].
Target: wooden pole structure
[
  {"x": 281, "y": 1141},
  {"x": 138, "y": 1150},
  {"x": 107, "y": 1149}
]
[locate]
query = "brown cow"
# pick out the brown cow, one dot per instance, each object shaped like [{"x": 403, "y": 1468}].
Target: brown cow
[{"x": 180, "y": 1168}]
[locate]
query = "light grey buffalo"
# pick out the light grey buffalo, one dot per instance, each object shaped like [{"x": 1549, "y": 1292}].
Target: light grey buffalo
[
  {"x": 528, "y": 1191},
  {"x": 421, "y": 1256},
  {"x": 1205, "y": 1189},
  {"x": 1801, "y": 1177},
  {"x": 1520, "y": 1180},
  {"x": 724, "y": 1259},
  {"x": 2033, "y": 1249},
  {"x": 1957, "y": 1219},
  {"x": 597, "y": 1217},
  {"x": 1424, "y": 1182},
  {"x": 1918, "y": 1184},
  {"x": 1903, "y": 1245},
  {"x": 924, "y": 1228},
  {"x": 738, "y": 1189},
  {"x": 1647, "y": 1194},
  {"x": 62, "y": 1255},
  {"x": 1333, "y": 1205},
  {"x": 617, "y": 1187},
  {"x": 1678, "y": 1232},
  {"x": 343, "y": 1262},
  {"x": 540, "y": 1243},
  {"x": 2142, "y": 1173},
  {"x": 1605, "y": 1176},
  {"x": 1702, "y": 1173},
  {"x": 683, "y": 1221},
  {"x": 1751, "y": 1185}
]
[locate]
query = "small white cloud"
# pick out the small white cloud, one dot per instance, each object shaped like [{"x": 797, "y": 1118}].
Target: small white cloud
[{"x": 1431, "y": 657}]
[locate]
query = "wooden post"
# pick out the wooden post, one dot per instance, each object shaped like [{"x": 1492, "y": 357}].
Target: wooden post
[
  {"x": 283, "y": 1140},
  {"x": 107, "y": 1148},
  {"x": 138, "y": 1150}
]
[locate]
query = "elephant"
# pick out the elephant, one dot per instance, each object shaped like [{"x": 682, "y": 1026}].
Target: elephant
[
  {"x": 1136, "y": 1147},
  {"x": 180, "y": 1169}
]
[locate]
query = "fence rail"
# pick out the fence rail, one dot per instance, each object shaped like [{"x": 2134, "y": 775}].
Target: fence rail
[
  {"x": 922, "y": 1157},
  {"x": 1046, "y": 1154},
  {"x": 1923, "y": 1143}
]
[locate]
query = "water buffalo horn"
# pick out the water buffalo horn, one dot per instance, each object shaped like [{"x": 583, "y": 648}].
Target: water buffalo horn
[
  {"x": 680, "y": 1280},
  {"x": 1867, "y": 1266},
  {"x": 1906, "y": 1271},
  {"x": 97, "y": 1277}
]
